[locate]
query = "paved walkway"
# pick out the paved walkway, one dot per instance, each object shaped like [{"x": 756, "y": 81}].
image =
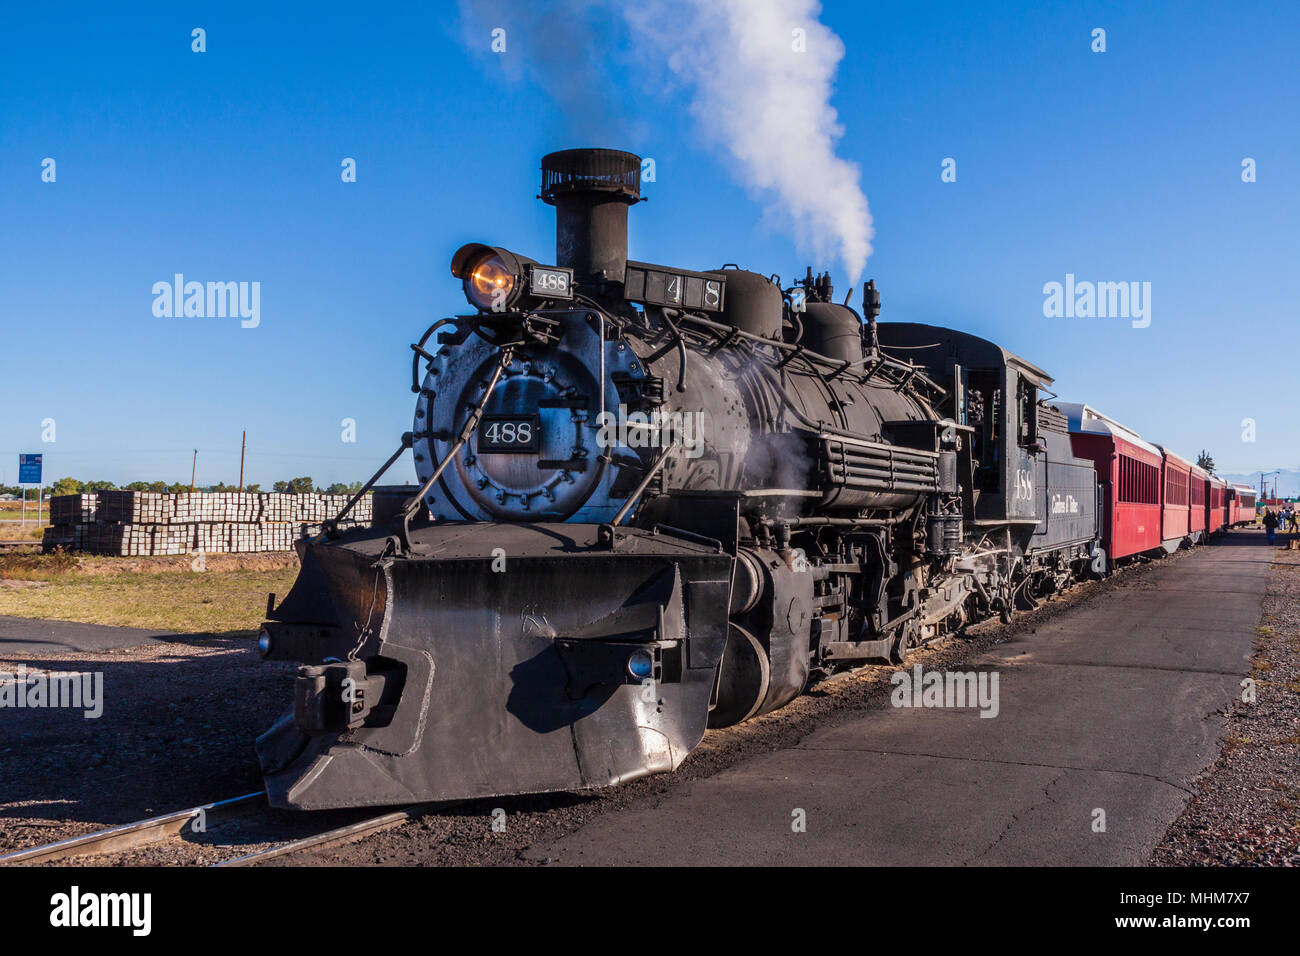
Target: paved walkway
[
  {"x": 1112, "y": 705},
  {"x": 26, "y": 635}
]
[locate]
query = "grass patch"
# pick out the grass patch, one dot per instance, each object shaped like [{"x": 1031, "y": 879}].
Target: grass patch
[
  {"x": 15, "y": 531},
  {"x": 36, "y": 566},
  {"x": 11, "y": 523},
  {"x": 212, "y": 602}
]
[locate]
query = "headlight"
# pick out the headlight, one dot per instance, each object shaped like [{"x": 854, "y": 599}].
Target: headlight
[
  {"x": 641, "y": 664},
  {"x": 489, "y": 284},
  {"x": 493, "y": 278},
  {"x": 264, "y": 642}
]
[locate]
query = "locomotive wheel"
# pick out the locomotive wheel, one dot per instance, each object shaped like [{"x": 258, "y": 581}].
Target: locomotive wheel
[{"x": 745, "y": 676}]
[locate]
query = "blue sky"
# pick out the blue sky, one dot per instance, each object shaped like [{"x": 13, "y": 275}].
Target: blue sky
[{"x": 225, "y": 165}]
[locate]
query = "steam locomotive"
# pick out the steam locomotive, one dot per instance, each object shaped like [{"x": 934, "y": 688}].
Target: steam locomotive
[{"x": 653, "y": 501}]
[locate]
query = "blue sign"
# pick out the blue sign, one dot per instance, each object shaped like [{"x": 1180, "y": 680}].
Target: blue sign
[{"x": 29, "y": 469}]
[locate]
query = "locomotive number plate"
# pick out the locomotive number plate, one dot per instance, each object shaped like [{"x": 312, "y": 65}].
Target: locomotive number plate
[
  {"x": 551, "y": 282},
  {"x": 517, "y": 434}
]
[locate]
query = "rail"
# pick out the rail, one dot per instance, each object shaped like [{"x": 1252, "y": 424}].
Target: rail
[{"x": 156, "y": 830}]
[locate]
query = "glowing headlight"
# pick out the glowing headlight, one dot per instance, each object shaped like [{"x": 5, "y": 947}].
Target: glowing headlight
[
  {"x": 489, "y": 284},
  {"x": 493, "y": 277},
  {"x": 264, "y": 642}
]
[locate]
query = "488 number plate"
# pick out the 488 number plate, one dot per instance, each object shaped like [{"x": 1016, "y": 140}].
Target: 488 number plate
[{"x": 509, "y": 434}]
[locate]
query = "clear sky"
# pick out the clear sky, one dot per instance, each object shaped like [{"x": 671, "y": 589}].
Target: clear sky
[{"x": 225, "y": 166}]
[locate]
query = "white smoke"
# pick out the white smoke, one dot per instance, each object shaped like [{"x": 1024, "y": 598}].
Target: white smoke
[{"x": 759, "y": 75}]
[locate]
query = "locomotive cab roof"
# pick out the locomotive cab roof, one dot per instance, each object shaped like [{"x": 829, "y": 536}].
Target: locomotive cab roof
[{"x": 940, "y": 349}]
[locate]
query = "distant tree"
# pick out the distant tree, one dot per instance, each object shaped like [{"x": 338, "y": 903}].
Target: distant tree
[
  {"x": 66, "y": 486},
  {"x": 294, "y": 486},
  {"x": 155, "y": 486},
  {"x": 74, "y": 486},
  {"x": 1203, "y": 460},
  {"x": 343, "y": 488}
]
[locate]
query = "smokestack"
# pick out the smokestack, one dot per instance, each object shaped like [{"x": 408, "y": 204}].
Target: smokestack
[{"x": 591, "y": 190}]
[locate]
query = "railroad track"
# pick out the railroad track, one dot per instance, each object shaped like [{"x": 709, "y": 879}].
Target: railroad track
[
  {"x": 337, "y": 835},
  {"x": 169, "y": 826},
  {"x": 19, "y": 544}
]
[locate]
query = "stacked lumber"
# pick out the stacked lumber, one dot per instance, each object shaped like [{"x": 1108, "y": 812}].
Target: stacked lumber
[
  {"x": 222, "y": 506},
  {"x": 143, "y": 523},
  {"x": 73, "y": 509}
]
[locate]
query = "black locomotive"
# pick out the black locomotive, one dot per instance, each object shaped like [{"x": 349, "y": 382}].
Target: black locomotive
[{"x": 655, "y": 500}]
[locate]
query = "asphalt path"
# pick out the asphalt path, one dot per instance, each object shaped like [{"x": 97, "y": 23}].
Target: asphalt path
[
  {"x": 25, "y": 635},
  {"x": 1105, "y": 717}
]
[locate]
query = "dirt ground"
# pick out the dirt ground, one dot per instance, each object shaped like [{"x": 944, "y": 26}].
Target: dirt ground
[{"x": 176, "y": 731}]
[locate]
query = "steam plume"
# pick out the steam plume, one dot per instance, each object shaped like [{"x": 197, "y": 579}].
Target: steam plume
[{"x": 758, "y": 89}]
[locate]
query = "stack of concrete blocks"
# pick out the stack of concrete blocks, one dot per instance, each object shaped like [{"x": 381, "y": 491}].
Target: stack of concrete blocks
[{"x": 142, "y": 523}]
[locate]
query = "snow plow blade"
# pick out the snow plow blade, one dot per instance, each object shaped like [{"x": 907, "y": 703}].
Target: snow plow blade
[{"x": 490, "y": 660}]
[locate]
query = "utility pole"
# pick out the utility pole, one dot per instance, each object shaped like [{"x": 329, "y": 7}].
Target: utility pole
[
  {"x": 194, "y": 470},
  {"x": 1262, "y": 476},
  {"x": 243, "y": 446}
]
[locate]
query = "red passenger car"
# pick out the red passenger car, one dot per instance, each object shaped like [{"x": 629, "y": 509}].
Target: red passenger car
[
  {"x": 1199, "y": 485},
  {"x": 1215, "y": 494},
  {"x": 1175, "y": 516},
  {"x": 1128, "y": 470},
  {"x": 1244, "y": 497}
]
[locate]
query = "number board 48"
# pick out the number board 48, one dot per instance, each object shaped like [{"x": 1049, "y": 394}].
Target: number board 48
[{"x": 675, "y": 288}]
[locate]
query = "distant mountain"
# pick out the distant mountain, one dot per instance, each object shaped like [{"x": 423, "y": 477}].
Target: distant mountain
[{"x": 1288, "y": 482}]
